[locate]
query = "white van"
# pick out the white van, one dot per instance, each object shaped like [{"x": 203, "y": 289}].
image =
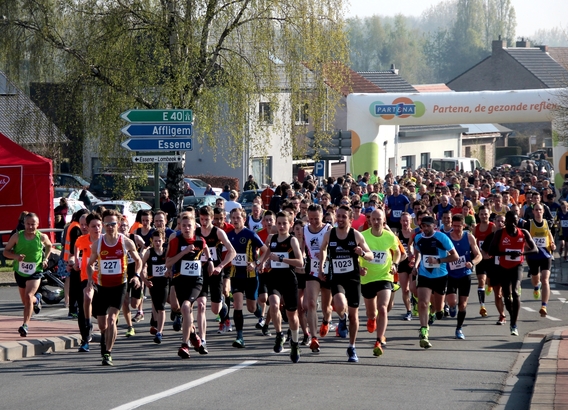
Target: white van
[{"x": 454, "y": 164}]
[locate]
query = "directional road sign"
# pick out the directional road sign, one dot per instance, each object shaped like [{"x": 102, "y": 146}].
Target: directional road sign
[
  {"x": 149, "y": 159},
  {"x": 171, "y": 116},
  {"x": 158, "y": 144},
  {"x": 158, "y": 130}
]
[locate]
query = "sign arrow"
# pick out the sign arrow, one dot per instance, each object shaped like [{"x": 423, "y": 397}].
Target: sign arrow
[
  {"x": 163, "y": 116},
  {"x": 158, "y": 144},
  {"x": 158, "y": 130},
  {"x": 148, "y": 159}
]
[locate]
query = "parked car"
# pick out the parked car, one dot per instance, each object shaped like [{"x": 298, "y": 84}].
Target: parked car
[
  {"x": 129, "y": 209},
  {"x": 72, "y": 206},
  {"x": 454, "y": 164},
  {"x": 200, "y": 200},
  {"x": 69, "y": 180},
  {"x": 200, "y": 186},
  {"x": 104, "y": 186},
  {"x": 73, "y": 193},
  {"x": 246, "y": 197},
  {"x": 513, "y": 160}
]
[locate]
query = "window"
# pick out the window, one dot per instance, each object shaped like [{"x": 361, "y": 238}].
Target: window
[
  {"x": 262, "y": 170},
  {"x": 424, "y": 159},
  {"x": 265, "y": 113},
  {"x": 448, "y": 154},
  {"x": 301, "y": 115},
  {"x": 408, "y": 162}
]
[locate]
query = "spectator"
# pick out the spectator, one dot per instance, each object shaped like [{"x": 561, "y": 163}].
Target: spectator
[
  {"x": 60, "y": 213},
  {"x": 209, "y": 191},
  {"x": 226, "y": 192},
  {"x": 84, "y": 197},
  {"x": 250, "y": 184}
]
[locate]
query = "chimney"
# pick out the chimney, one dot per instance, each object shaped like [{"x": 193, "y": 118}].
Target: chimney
[
  {"x": 523, "y": 43},
  {"x": 497, "y": 45},
  {"x": 543, "y": 48},
  {"x": 393, "y": 69}
]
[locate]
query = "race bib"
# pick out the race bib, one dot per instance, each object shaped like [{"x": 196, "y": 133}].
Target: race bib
[
  {"x": 481, "y": 243},
  {"x": 240, "y": 260},
  {"x": 459, "y": 264},
  {"x": 96, "y": 266},
  {"x": 190, "y": 268},
  {"x": 379, "y": 257},
  {"x": 553, "y": 213},
  {"x": 564, "y": 223},
  {"x": 129, "y": 258},
  {"x": 314, "y": 267},
  {"x": 396, "y": 214},
  {"x": 342, "y": 265},
  {"x": 510, "y": 258},
  {"x": 111, "y": 267},
  {"x": 27, "y": 268},
  {"x": 212, "y": 253},
  {"x": 429, "y": 265},
  {"x": 158, "y": 270},
  {"x": 278, "y": 264},
  {"x": 539, "y": 241}
]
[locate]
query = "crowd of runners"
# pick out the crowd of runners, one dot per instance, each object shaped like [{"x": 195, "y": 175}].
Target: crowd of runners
[{"x": 306, "y": 251}]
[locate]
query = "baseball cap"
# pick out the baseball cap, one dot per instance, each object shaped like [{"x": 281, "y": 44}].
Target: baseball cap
[
  {"x": 428, "y": 220},
  {"x": 369, "y": 209}
]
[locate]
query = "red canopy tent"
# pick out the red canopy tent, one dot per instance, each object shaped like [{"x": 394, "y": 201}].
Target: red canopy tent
[{"x": 26, "y": 184}]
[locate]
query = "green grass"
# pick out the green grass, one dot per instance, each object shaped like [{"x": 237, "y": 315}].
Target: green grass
[{"x": 8, "y": 267}]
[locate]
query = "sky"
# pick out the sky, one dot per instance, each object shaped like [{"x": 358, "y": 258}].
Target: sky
[{"x": 531, "y": 15}]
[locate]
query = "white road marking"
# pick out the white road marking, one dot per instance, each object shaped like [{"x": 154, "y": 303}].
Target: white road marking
[
  {"x": 555, "y": 292},
  {"x": 553, "y": 318},
  {"x": 563, "y": 300},
  {"x": 529, "y": 309},
  {"x": 155, "y": 397}
]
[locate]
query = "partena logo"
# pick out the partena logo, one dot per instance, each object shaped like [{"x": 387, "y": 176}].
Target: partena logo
[
  {"x": 4, "y": 180},
  {"x": 401, "y": 107}
]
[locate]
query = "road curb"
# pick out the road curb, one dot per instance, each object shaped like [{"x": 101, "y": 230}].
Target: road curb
[
  {"x": 544, "y": 390},
  {"x": 25, "y": 348}
]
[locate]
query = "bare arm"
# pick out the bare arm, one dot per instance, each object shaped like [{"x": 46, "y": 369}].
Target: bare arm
[
  {"x": 9, "y": 249},
  {"x": 362, "y": 248},
  {"x": 474, "y": 250}
]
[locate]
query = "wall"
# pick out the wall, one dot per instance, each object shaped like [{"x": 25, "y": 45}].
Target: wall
[{"x": 434, "y": 144}]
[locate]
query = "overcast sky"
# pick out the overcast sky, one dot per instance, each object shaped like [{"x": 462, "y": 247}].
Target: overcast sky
[{"x": 531, "y": 14}]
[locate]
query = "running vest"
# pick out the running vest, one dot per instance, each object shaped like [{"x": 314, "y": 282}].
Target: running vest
[
  {"x": 146, "y": 238},
  {"x": 511, "y": 243},
  {"x": 457, "y": 268},
  {"x": 382, "y": 247},
  {"x": 253, "y": 224},
  {"x": 83, "y": 248},
  {"x": 341, "y": 256},
  {"x": 313, "y": 243},
  {"x": 112, "y": 262},
  {"x": 190, "y": 264},
  {"x": 541, "y": 238},
  {"x": 67, "y": 246},
  {"x": 156, "y": 264},
  {"x": 480, "y": 236},
  {"x": 404, "y": 266},
  {"x": 213, "y": 243},
  {"x": 33, "y": 249},
  {"x": 283, "y": 249},
  {"x": 563, "y": 222}
]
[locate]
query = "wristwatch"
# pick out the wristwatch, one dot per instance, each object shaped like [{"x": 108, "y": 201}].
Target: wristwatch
[{"x": 281, "y": 258}]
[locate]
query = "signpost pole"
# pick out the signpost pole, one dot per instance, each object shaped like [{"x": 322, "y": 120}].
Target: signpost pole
[{"x": 156, "y": 187}]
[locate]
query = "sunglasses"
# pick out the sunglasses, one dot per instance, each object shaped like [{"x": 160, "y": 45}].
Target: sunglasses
[{"x": 111, "y": 223}]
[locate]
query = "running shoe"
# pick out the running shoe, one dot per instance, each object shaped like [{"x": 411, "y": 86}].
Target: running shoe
[
  {"x": 514, "y": 331},
  {"x": 228, "y": 326},
  {"x": 261, "y": 322},
  {"x": 383, "y": 341},
  {"x": 332, "y": 326},
  {"x": 37, "y": 305},
  {"x": 239, "y": 343},
  {"x": 415, "y": 310},
  {"x": 324, "y": 329},
  {"x": 483, "y": 311},
  {"x": 488, "y": 290},
  {"x": 314, "y": 345},
  {"x": 217, "y": 318},
  {"x": 446, "y": 311},
  {"x": 203, "y": 348},
  {"x": 84, "y": 348},
  {"x": 431, "y": 319},
  {"x": 265, "y": 331},
  {"x": 378, "y": 349},
  {"x": 408, "y": 316},
  {"x": 295, "y": 352},
  {"x": 371, "y": 325},
  {"x": 424, "y": 342},
  {"x": 352, "y": 353},
  {"x": 221, "y": 327},
  {"x": 305, "y": 340},
  {"x": 502, "y": 320},
  {"x": 130, "y": 332},
  {"x": 72, "y": 315},
  {"x": 158, "y": 338},
  {"x": 183, "y": 351},
  {"x": 153, "y": 330},
  {"x": 536, "y": 292},
  {"x": 342, "y": 330},
  {"x": 453, "y": 311},
  {"x": 459, "y": 334},
  {"x": 177, "y": 323},
  {"x": 23, "y": 330},
  {"x": 138, "y": 317},
  {"x": 107, "y": 360},
  {"x": 543, "y": 311},
  {"x": 195, "y": 340},
  {"x": 279, "y": 342}
]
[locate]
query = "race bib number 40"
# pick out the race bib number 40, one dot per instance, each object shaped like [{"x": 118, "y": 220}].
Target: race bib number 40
[
  {"x": 27, "y": 268},
  {"x": 190, "y": 268},
  {"x": 342, "y": 265},
  {"x": 111, "y": 267}
]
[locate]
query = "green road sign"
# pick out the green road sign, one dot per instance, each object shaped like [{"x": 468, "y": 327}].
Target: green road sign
[{"x": 153, "y": 116}]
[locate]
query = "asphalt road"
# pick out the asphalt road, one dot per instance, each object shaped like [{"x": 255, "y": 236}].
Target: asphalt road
[{"x": 465, "y": 374}]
